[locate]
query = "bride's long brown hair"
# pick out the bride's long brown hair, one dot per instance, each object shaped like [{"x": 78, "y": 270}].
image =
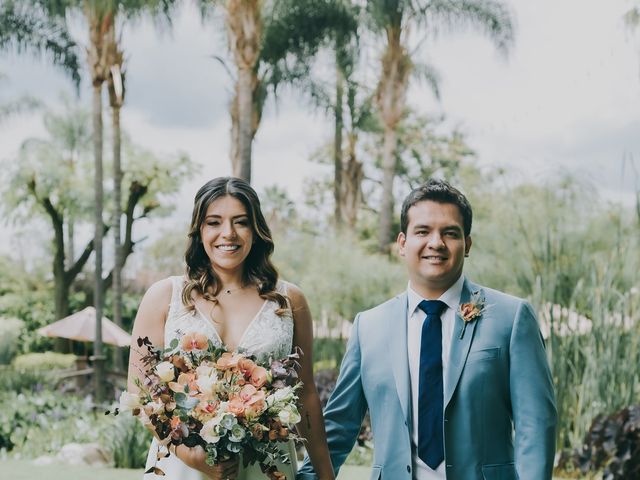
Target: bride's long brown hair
[{"x": 258, "y": 269}]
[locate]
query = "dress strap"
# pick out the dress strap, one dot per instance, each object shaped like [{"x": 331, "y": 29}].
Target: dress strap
[
  {"x": 175, "y": 306},
  {"x": 281, "y": 287}
]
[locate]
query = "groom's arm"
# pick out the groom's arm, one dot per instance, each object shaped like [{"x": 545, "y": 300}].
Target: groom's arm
[
  {"x": 345, "y": 410},
  {"x": 532, "y": 399}
]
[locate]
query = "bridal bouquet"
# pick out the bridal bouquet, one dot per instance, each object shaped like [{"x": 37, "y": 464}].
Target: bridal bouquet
[{"x": 194, "y": 393}]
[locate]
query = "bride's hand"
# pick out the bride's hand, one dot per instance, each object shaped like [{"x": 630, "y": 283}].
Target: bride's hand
[{"x": 195, "y": 458}]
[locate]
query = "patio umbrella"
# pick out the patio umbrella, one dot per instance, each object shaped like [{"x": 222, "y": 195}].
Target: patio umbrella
[{"x": 81, "y": 326}]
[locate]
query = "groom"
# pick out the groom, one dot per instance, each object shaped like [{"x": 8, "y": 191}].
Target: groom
[{"x": 454, "y": 375}]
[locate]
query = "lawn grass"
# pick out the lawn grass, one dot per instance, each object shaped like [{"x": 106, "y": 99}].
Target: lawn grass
[{"x": 26, "y": 470}]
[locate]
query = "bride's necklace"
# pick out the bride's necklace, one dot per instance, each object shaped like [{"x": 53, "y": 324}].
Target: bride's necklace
[{"x": 229, "y": 291}]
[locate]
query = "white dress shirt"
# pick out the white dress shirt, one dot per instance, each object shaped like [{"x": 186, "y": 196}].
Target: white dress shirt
[{"x": 415, "y": 318}]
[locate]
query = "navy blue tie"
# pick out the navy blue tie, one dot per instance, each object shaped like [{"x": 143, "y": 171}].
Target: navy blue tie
[{"x": 430, "y": 390}]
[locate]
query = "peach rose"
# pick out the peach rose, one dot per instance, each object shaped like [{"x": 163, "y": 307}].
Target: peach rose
[
  {"x": 236, "y": 407},
  {"x": 469, "y": 311},
  {"x": 194, "y": 341},
  {"x": 246, "y": 366},
  {"x": 208, "y": 407},
  {"x": 184, "y": 379},
  {"x": 256, "y": 404},
  {"x": 247, "y": 392},
  {"x": 258, "y": 376},
  {"x": 227, "y": 360}
]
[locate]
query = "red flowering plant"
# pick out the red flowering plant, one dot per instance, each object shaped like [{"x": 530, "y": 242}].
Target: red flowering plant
[{"x": 194, "y": 393}]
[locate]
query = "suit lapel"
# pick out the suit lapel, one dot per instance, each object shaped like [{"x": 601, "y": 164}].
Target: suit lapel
[
  {"x": 397, "y": 335},
  {"x": 459, "y": 346}
]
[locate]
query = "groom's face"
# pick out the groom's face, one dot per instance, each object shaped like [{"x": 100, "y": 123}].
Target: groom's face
[{"x": 434, "y": 246}]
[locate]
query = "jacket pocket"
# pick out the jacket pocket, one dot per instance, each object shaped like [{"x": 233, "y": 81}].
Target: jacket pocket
[
  {"x": 485, "y": 354},
  {"x": 376, "y": 472},
  {"x": 502, "y": 471}
]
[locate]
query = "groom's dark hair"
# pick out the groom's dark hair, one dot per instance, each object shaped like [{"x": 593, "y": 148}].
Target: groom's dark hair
[{"x": 441, "y": 192}]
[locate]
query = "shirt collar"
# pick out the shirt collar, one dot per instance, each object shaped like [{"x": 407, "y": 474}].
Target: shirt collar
[{"x": 451, "y": 297}]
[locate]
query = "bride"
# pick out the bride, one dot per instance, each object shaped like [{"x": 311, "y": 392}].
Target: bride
[{"x": 232, "y": 293}]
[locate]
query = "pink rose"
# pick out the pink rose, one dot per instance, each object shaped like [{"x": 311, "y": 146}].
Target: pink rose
[{"x": 247, "y": 392}]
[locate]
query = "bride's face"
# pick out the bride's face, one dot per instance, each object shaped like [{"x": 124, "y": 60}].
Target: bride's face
[{"x": 226, "y": 234}]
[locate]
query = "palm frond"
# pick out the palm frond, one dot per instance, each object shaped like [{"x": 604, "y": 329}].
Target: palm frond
[
  {"x": 429, "y": 74},
  {"x": 23, "y": 104},
  {"x": 296, "y": 29},
  {"x": 492, "y": 17},
  {"x": 27, "y": 27}
]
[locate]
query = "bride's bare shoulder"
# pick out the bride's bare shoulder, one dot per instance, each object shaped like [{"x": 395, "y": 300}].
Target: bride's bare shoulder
[{"x": 155, "y": 302}]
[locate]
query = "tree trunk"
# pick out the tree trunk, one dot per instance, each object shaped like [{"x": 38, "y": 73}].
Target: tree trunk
[
  {"x": 117, "y": 213},
  {"x": 391, "y": 100},
  {"x": 337, "y": 149},
  {"x": 116, "y": 99},
  {"x": 388, "y": 175},
  {"x": 242, "y": 157},
  {"x": 352, "y": 191},
  {"x": 71, "y": 253},
  {"x": 244, "y": 33},
  {"x": 97, "y": 242}
]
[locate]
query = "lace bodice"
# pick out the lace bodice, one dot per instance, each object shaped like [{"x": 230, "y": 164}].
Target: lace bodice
[{"x": 268, "y": 336}]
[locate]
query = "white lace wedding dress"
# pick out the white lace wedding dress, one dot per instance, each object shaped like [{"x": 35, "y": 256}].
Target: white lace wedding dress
[{"x": 267, "y": 336}]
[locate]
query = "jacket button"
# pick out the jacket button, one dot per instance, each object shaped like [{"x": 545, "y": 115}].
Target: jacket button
[
  {"x": 408, "y": 469},
  {"x": 446, "y": 420}
]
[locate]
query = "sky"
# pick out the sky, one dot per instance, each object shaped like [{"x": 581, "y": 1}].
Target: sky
[{"x": 566, "y": 99}]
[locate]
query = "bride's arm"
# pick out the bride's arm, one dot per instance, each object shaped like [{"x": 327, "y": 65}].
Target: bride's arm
[
  {"x": 311, "y": 427},
  {"x": 149, "y": 322}
]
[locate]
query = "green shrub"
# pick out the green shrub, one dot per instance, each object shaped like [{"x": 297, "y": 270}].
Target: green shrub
[
  {"x": 23, "y": 381},
  {"x": 337, "y": 276},
  {"x": 10, "y": 330},
  {"x": 35, "y": 424},
  {"x": 328, "y": 352},
  {"x": 44, "y": 361},
  {"x": 128, "y": 441}
]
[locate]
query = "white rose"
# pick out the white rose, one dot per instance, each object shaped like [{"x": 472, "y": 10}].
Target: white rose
[
  {"x": 154, "y": 407},
  {"x": 289, "y": 415},
  {"x": 206, "y": 370},
  {"x": 128, "y": 401},
  {"x": 165, "y": 371},
  {"x": 206, "y": 384},
  {"x": 280, "y": 396},
  {"x": 208, "y": 431}
]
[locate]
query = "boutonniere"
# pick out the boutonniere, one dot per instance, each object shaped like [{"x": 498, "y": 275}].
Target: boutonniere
[{"x": 471, "y": 310}]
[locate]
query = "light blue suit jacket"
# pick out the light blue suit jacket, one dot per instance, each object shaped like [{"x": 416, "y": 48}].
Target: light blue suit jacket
[{"x": 499, "y": 414}]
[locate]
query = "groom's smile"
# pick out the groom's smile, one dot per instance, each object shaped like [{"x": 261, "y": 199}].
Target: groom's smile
[{"x": 434, "y": 247}]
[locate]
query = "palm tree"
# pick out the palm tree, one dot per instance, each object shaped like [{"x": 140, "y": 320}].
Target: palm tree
[
  {"x": 271, "y": 42},
  {"x": 116, "y": 87},
  {"x": 27, "y": 27},
  {"x": 393, "y": 20},
  {"x": 100, "y": 16}
]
